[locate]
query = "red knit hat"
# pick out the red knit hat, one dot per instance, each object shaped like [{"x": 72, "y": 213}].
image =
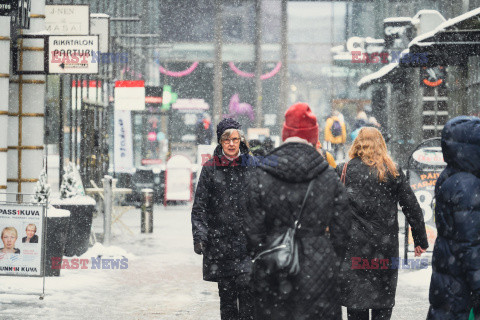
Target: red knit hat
[{"x": 300, "y": 122}]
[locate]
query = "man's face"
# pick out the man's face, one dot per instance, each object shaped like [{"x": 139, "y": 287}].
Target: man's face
[
  {"x": 231, "y": 145},
  {"x": 9, "y": 239},
  {"x": 30, "y": 232}
]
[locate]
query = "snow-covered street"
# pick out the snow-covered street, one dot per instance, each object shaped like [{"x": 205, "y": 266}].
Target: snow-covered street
[{"x": 163, "y": 280}]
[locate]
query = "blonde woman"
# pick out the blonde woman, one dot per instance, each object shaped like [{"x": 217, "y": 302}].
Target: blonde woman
[
  {"x": 9, "y": 236},
  {"x": 375, "y": 187}
]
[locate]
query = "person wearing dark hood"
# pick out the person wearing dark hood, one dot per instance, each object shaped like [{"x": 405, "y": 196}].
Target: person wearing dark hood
[
  {"x": 455, "y": 283},
  {"x": 375, "y": 187},
  {"x": 275, "y": 195},
  {"x": 217, "y": 221}
]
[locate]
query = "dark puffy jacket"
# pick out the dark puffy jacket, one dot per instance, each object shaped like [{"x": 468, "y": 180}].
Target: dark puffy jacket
[
  {"x": 375, "y": 235},
  {"x": 218, "y": 213},
  {"x": 275, "y": 196},
  {"x": 455, "y": 284}
]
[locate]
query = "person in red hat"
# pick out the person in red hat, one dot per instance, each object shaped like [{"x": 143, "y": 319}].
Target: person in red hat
[{"x": 275, "y": 195}]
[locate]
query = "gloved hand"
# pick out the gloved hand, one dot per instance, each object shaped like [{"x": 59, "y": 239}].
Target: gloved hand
[{"x": 198, "y": 247}]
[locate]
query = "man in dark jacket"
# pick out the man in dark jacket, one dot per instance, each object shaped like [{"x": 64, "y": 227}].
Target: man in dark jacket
[
  {"x": 203, "y": 130},
  {"x": 455, "y": 284},
  {"x": 217, "y": 221},
  {"x": 276, "y": 192}
]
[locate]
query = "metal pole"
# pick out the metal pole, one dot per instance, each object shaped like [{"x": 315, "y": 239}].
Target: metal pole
[
  {"x": 146, "y": 222},
  {"x": 217, "y": 70},
  {"x": 107, "y": 211},
  {"x": 258, "y": 62},
  {"x": 435, "y": 119},
  {"x": 61, "y": 121},
  {"x": 332, "y": 44},
  {"x": 284, "y": 71},
  {"x": 4, "y": 102}
]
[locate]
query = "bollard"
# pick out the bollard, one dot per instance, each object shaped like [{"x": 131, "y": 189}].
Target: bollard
[
  {"x": 107, "y": 209},
  {"x": 147, "y": 211}
]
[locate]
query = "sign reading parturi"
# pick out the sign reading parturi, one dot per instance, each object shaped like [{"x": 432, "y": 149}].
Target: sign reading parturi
[{"x": 73, "y": 54}]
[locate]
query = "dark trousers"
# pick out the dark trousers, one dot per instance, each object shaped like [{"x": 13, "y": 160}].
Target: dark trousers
[
  {"x": 363, "y": 314},
  {"x": 236, "y": 298}
]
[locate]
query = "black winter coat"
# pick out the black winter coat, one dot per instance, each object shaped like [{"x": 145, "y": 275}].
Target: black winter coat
[
  {"x": 218, "y": 213},
  {"x": 455, "y": 284},
  {"x": 276, "y": 192},
  {"x": 374, "y": 235}
]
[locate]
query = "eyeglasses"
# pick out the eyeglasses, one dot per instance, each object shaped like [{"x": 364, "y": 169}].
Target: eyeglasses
[{"x": 234, "y": 140}]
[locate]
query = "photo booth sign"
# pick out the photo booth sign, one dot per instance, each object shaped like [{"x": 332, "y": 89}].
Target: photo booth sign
[{"x": 22, "y": 232}]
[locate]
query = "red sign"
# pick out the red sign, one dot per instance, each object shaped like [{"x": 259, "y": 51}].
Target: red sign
[{"x": 153, "y": 99}]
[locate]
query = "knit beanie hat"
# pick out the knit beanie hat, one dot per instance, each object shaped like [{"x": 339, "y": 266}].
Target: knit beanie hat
[
  {"x": 226, "y": 124},
  {"x": 300, "y": 122}
]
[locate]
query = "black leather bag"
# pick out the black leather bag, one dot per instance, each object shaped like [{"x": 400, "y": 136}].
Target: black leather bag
[{"x": 282, "y": 253}]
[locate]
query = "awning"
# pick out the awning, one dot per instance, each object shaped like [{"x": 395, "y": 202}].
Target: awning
[{"x": 451, "y": 43}]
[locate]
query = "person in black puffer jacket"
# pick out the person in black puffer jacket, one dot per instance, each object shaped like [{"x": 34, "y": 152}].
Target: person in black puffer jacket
[
  {"x": 217, "y": 221},
  {"x": 455, "y": 283},
  {"x": 375, "y": 186},
  {"x": 276, "y": 192}
]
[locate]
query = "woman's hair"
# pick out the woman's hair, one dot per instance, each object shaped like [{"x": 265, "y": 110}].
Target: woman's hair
[
  {"x": 31, "y": 225},
  {"x": 227, "y": 133},
  {"x": 370, "y": 147},
  {"x": 10, "y": 229}
]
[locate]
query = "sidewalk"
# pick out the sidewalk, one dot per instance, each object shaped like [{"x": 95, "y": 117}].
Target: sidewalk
[{"x": 163, "y": 280}]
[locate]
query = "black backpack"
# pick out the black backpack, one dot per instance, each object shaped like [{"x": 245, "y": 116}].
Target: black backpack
[{"x": 336, "y": 128}]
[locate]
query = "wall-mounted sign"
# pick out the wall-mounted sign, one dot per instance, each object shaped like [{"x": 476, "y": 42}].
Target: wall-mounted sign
[
  {"x": 67, "y": 19},
  {"x": 123, "y": 141},
  {"x": 130, "y": 95},
  {"x": 73, "y": 54},
  {"x": 433, "y": 77},
  {"x": 398, "y": 32},
  {"x": 190, "y": 104},
  {"x": 7, "y": 7},
  {"x": 100, "y": 25}
]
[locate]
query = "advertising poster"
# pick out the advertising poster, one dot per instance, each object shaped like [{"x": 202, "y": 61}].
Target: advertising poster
[
  {"x": 123, "y": 141},
  {"x": 21, "y": 230},
  {"x": 428, "y": 164}
]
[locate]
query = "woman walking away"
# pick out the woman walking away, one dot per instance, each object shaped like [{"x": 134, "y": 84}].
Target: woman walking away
[
  {"x": 276, "y": 193},
  {"x": 375, "y": 186},
  {"x": 217, "y": 221},
  {"x": 455, "y": 284}
]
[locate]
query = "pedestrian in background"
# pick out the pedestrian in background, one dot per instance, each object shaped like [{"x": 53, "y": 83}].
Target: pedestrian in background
[
  {"x": 217, "y": 221},
  {"x": 256, "y": 148},
  {"x": 375, "y": 186},
  {"x": 326, "y": 155},
  {"x": 204, "y": 130},
  {"x": 335, "y": 134},
  {"x": 361, "y": 120},
  {"x": 455, "y": 283},
  {"x": 276, "y": 192}
]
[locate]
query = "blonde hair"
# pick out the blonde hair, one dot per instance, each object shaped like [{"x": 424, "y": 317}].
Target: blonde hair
[
  {"x": 10, "y": 229},
  {"x": 31, "y": 225},
  {"x": 370, "y": 147}
]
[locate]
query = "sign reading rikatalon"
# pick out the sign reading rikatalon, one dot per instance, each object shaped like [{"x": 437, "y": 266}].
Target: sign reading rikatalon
[{"x": 72, "y": 54}]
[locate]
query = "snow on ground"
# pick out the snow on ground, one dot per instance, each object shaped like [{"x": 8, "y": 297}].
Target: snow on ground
[{"x": 163, "y": 279}]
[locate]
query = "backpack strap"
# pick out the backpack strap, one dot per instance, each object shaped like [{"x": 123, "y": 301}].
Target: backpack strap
[{"x": 309, "y": 189}]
